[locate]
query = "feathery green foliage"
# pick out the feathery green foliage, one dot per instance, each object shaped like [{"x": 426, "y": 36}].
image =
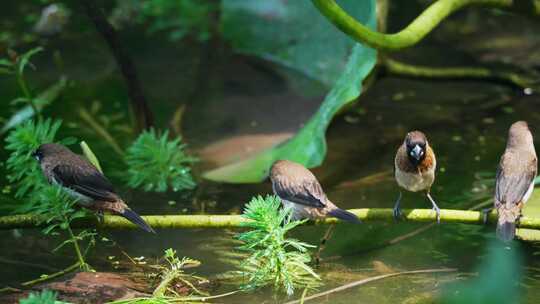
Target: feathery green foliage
[
  {"x": 174, "y": 271},
  {"x": 275, "y": 259},
  {"x": 43, "y": 297},
  {"x": 157, "y": 163},
  {"x": 22, "y": 170},
  {"x": 31, "y": 187}
]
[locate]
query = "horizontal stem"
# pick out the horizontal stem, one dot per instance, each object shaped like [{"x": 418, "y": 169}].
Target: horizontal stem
[
  {"x": 409, "y": 70},
  {"x": 236, "y": 221},
  {"x": 418, "y": 28}
]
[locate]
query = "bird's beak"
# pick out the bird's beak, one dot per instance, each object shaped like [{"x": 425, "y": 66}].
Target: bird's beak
[
  {"x": 35, "y": 155},
  {"x": 416, "y": 152}
]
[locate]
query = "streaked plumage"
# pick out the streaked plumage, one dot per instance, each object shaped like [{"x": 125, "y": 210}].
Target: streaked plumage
[
  {"x": 83, "y": 181},
  {"x": 414, "y": 168},
  {"x": 515, "y": 178},
  {"x": 299, "y": 189}
]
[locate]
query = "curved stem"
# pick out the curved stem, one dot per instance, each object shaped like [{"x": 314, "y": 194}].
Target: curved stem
[
  {"x": 82, "y": 263},
  {"x": 52, "y": 276},
  {"x": 26, "y": 92},
  {"x": 415, "y": 31}
]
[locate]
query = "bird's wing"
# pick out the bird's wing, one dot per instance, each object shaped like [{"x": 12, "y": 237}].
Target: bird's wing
[
  {"x": 514, "y": 177},
  {"x": 308, "y": 193},
  {"x": 90, "y": 183}
]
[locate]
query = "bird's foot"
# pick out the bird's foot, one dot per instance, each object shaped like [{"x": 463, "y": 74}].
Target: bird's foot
[
  {"x": 438, "y": 212},
  {"x": 397, "y": 213},
  {"x": 485, "y": 214},
  {"x": 100, "y": 216}
]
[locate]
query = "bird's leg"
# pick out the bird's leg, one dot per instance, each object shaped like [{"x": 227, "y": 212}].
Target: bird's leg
[
  {"x": 485, "y": 214},
  {"x": 435, "y": 207},
  {"x": 397, "y": 209},
  {"x": 322, "y": 245},
  {"x": 100, "y": 216}
]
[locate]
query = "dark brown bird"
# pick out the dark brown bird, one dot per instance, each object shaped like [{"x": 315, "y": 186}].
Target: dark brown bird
[
  {"x": 414, "y": 168},
  {"x": 83, "y": 181},
  {"x": 515, "y": 179},
  {"x": 299, "y": 189}
]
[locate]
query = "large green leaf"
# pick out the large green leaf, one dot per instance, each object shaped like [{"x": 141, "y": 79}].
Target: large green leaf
[
  {"x": 308, "y": 146},
  {"x": 293, "y": 34}
]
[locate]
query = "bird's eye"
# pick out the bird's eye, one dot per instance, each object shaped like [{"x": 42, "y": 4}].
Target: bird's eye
[{"x": 37, "y": 155}]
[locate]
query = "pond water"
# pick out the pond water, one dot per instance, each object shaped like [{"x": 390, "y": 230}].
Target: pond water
[{"x": 228, "y": 97}]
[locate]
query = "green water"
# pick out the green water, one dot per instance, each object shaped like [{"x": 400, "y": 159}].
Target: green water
[{"x": 229, "y": 95}]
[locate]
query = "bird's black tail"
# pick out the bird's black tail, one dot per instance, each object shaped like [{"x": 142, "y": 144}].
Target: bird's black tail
[
  {"x": 133, "y": 217},
  {"x": 344, "y": 215},
  {"x": 506, "y": 224}
]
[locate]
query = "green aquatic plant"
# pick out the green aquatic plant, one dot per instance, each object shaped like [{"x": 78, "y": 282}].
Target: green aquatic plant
[
  {"x": 23, "y": 171},
  {"x": 156, "y": 163},
  {"x": 16, "y": 65},
  {"x": 274, "y": 259},
  {"x": 43, "y": 297},
  {"x": 38, "y": 196},
  {"x": 174, "y": 271},
  {"x": 170, "y": 274}
]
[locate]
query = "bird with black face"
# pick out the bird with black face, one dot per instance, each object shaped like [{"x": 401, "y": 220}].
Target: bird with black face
[
  {"x": 515, "y": 179},
  {"x": 84, "y": 182},
  {"x": 414, "y": 168}
]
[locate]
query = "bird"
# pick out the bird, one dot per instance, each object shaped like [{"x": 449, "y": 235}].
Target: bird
[
  {"x": 300, "y": 190},
  {"x": 414, "y": 168},
  {"x": 82, "y": 181},
  {"x": 515, "y": 179}
]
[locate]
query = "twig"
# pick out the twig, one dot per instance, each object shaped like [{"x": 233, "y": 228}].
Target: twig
[
  {"x": 87, "y": 117},
  {"x": 136, "y": 95},
  {"x": 368, "y": 280},
  {"x": 51, "y": 276}
]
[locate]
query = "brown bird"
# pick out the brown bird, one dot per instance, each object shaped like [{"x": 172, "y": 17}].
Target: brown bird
[
  {"x": 83, "y": 181},
  {"x": 299, "y": 189},
  {"x": 414, "y": 168},
  {"x": 515, "y": 179}
]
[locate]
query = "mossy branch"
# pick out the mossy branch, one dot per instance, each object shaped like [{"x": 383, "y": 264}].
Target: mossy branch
[
  {"x": 529, "y": 226},
  {"x": 419, "y": 27}
]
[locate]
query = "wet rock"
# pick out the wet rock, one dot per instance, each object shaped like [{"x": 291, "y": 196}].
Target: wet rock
[{"x": 89, "y": 287}]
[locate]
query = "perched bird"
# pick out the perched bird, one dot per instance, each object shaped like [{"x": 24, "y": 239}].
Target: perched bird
[
  {"x": 414, "y": 168},
  {"x": 83, "y": 181},
  {"x": 515, "y": 179},
  {"x": 299, "y": 189}
]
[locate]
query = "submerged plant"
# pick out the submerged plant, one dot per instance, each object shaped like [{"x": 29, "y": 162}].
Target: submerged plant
[
  {"x": 170, "y": 274},
  {"x": 174, "y": 271},
  {"x": 274, "y": 259},
  {"x": 157, "y": 163}
]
